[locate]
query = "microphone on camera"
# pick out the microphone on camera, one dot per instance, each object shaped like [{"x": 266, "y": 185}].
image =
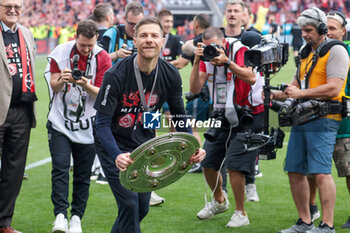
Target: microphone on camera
[
  {"x": 250, "y": 38},
  {"x": 75, "y": 59}
]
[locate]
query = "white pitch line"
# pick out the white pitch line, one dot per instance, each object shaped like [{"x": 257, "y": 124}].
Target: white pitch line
[
  {"x": 38, "y": 163},
  {"x": 48, "y": 160}
]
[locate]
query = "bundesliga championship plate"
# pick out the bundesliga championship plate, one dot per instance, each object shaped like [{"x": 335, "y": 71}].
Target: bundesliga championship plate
[{"x": 159, "y": 162}]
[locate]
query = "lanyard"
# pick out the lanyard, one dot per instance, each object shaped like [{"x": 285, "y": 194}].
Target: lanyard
[
  {"x": 165, "y": 41},
  {"x": 145, "y": 105}
]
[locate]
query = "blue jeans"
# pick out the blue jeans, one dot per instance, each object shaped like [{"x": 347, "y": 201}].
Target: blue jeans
[{"x": 83, "y": 155}]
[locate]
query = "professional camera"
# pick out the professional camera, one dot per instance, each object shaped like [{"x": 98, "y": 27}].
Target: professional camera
[
  {"x": 189, "y": 96},
  {"x": 268, "y": 51},
  {"x": 212, "y": 133},
  {"x": 76, "y": 73},
  {"x": 266, "y": 143},
  {"x": 203, "y": 94},
  {"x": 210, "y": 51},
  {"x": 285, "y": 111},
  {"x": 133, "y": 49},
  {"x": 297, "y": 112},
  {"x": 244, "y": 114}
]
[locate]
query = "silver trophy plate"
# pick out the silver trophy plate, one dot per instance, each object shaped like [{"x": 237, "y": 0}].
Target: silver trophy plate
[{"x": 159, "y": 162}]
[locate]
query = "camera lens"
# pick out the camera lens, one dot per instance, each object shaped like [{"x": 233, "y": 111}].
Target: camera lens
[
  {"x": 211, "y": 134},
  {"x": 252, "y": 58},
  {"x": 76, "y": 74},
  {"x": 210, "y": 51}
]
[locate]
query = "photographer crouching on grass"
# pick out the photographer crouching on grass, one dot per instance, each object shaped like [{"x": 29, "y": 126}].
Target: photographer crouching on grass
[
  {"x": 229, "y": 83},
  {"x": 319, "y": 77}
]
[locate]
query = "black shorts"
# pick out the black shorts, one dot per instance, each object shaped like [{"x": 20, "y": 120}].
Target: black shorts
[{"x": 237, "y": 158}]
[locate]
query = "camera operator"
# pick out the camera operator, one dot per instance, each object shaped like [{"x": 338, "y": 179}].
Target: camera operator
[
  {"x": 73, "y": 90},
  {"x": 229, "y": 84},
  {"x": 336, "y": 23},
  {"x": 118, "y": 41},
  {"x": 311, "y": 144}
]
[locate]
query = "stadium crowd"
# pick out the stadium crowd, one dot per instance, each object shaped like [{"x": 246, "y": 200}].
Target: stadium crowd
[{"x": 47, "y": 18}]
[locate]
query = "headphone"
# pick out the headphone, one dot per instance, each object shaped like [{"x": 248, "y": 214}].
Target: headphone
[
  {"x": 322, "y": 27},
  {"x": 333, "y": 13}
]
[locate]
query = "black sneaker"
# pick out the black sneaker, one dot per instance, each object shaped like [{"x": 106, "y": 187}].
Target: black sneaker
[
  {"x": 300, "y": 226},
  {"x": 101, "y": 179},
  {"x": 315, "y": 214},
  {"x": 322, "y": 228},
  {"x": 347, "y": 224}
]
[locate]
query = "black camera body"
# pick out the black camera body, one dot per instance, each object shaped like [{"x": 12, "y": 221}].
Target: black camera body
[
  {"x": 76, "y": 73},
  {"x": 132, "y": 49},
  {"x": 244, "y": 114},
  {"x": 212, "y": 133},
  {"x": 189, "y": 96},
  {"x": 294, "y": 112},
  {"x": 203, "y": 94},
  {"x": 210, "y": 51},
  {"x": 269, "y": 51}
]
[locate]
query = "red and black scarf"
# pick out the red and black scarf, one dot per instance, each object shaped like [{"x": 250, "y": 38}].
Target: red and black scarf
[{"x": 28, "y": 87}]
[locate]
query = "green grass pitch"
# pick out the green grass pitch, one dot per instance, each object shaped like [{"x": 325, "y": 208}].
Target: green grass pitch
[{"x": 184, "y": 198}]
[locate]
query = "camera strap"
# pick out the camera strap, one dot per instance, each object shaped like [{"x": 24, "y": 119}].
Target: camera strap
[
  {"x": 77, "y": 99},
  {"x": 144, "y": 105},
  {"x": 321, "y": 50},
  {"x": 88, "y": 62}
]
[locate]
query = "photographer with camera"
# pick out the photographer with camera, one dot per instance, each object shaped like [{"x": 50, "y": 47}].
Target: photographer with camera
[
  {"x": 229, "y": 86},
  {"x": 118, "y": 40},
  {"x": 320, "y": 75},
  {"x": 336, "y": 23},
  {"x": 74, "y": 74}
]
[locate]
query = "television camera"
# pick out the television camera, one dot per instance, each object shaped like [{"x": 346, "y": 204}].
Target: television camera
[{"x": 267, "y": 55}]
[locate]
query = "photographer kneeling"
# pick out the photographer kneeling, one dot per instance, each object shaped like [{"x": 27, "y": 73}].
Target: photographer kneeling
[
  {"x": 320, "y": 75},
  {"x": 229, "y": 85}
]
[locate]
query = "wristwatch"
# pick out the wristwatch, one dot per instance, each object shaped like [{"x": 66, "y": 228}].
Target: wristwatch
[{"x": 228, "y": 62}]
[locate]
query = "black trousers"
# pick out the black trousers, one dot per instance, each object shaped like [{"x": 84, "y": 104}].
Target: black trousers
[
  {"x": 132, "y": 206},
  {"x": 61, "y": 148},
  {"x": 14, "y": 140}
]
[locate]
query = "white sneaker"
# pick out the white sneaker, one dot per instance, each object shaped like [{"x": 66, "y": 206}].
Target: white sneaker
[
  {"x": 212, "y": 208},
  {"x": 238, "y": 220},
  {"x": 155, "y": 199},
  {"x": 60, "y": 225},
  {"x": 75, "y": 225},
  {"x": 251, "y": 193},
  {"x": 258, "y": 173}
]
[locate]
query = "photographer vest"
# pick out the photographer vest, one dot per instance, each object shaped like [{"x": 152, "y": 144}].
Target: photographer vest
[
  {"x": 61, "y": 109},
  {"x": 312, "y": 71},
  {"x": 117, "y": 37},
  {"x": 225, "y": 80}
]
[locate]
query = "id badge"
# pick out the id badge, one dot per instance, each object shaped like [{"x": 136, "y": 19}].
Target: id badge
[
  {"x": 302, "y": 82},
  {"x": 221, "y": 93},
  {"x": 74, "y": 101}
]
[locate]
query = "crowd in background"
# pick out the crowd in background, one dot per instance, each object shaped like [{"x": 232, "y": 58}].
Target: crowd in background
[{"x": 56, "y": 20}]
